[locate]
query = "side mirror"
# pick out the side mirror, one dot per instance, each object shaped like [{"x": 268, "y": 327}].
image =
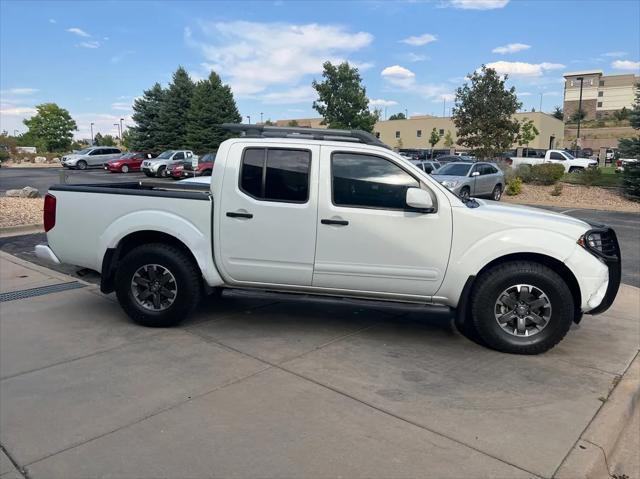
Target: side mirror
[
  {"x": 419, "y": 199},
  {"x": 475, "y": 173}
]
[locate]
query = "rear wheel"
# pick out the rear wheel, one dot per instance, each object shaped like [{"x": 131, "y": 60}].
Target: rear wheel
[
  {"x": 465, "y": 193},
  {"x": 497, "y": 193},
  {"x": 576, "y": 169},
  {"x": 158, "y": 285},
  {"x": 81, "y": 165},
  {"x": 125, "y": 169},
  {"x": 521, "y": 307}
]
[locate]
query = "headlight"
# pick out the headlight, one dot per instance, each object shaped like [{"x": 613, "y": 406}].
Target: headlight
[{"x": 450, "y": 184}]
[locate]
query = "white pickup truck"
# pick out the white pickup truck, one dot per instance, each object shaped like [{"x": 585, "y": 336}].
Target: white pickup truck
[
  {"x": 337, "y": 213},
  {"x": 571, "y": 163}
]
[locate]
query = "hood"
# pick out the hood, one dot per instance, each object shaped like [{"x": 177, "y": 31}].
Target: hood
[
  {"x": 530, "y": 217},
  {"x": 441, "y": 178}
]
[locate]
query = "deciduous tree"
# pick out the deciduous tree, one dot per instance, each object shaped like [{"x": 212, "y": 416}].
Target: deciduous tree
[
  {"x": 398, "y": 116},
  {"x": 52, "y": 127},
  {"x": 483, "y": 113},
  {"x": 342, "y": 99}
]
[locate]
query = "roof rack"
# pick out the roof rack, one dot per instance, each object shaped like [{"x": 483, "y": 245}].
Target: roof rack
[{"x": 264, "y": 131}]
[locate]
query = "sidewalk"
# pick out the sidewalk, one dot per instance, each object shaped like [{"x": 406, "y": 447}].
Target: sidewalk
[{"x": 255, "y": 385}]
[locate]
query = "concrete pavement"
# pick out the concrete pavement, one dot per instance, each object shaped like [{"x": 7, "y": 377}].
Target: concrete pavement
[{"x": 256, "y": 385}]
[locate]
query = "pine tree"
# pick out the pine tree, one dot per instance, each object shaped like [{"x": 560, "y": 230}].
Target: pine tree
[
  {"x": 212, "y": 103},
  {"x": 173, "y": 112},
  {"x": 145, "y": 135}
]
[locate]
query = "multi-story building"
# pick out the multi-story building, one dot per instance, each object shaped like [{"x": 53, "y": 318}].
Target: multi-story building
[
  {"x": 415, "y": 131},
  {"x": 601, "y": 94}
]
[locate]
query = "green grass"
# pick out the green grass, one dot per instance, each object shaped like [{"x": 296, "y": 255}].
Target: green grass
[{"x": 607, "y": 177}]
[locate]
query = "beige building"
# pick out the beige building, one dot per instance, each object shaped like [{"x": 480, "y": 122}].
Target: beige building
[
  {"x": 415, "y": 131},
  {"x": 601, "y": 94}
]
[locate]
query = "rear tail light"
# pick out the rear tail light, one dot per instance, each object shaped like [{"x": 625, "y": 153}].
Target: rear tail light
[
  {"x": 49, "y": 215},
  {"x": 619, "y": 163}
]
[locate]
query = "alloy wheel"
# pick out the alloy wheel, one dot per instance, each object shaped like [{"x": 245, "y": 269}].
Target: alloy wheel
[
  {"x": 523, "y": 310},
  {"x": 497, "y": 193},
  {"x": 125, "y": 169},
  {"x": 154, "y": 287}
]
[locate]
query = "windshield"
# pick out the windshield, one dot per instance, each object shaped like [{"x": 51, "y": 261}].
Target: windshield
[
  {"x": 454, "y": 169},
  {"x": 568, "y": 155},
  {"x": 84, "y": 152},
  {"x": 165, "y": 155},
  {"x": 127, "y": 155},
  {"x": 208, "y": 158}
]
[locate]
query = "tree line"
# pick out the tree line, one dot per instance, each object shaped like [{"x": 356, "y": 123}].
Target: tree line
[{"x": 183, "y": 115}]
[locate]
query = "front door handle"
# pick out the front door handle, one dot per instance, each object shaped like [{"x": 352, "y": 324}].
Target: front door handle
[
  {"x": 335, "y": 222},
  {"x": 233, "y": 214}
]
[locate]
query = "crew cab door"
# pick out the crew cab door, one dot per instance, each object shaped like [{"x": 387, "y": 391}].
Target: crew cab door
[
  {"x": 268, "y": 212},
  {"x": 369, "y": 240}
]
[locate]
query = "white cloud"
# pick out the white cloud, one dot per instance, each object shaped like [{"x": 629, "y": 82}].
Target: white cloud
[
  {"x": 420, "y": 40},
  {"x": 511, "y": 48},
  {"x": 89, "y": 44},
  {"x": 626, "y": 65},
  {"x": 525, "y": 93},
  {"x": 383, "y": 103},
  {"x": 301, "y": 94},
  {"x": 254, "y": 56},
  {"x": 19, "y": 91},
  {"x": 78, "y": 31},
  {"x": 415, "y": 57},
  {"x": 615, "y": 54},
  {"x": 12, "y": 114},
  {"x": 11, "y": 110},
  {"x": 405, "y": 79},
  {"x": 397, "y": 73},
  {"x": 478, "y": 4},
  {"x": 102, "y": 123},
  {"x": 52, "y": 20},
  {"x": 523, "y": 69},
  {"x": 121, "y": 106}
]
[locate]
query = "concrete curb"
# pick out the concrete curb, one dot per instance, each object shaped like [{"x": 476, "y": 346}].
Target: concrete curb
[
  {"x": 20, "y": 230},
  {"x": 589, "y": 457}
]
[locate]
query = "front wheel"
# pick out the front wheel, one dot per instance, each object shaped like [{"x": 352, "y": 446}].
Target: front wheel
[
  {"x": 497, "y": 193},
  {"x": 576, "y": 169},
  {"x": 81, "y": 165},
  {"x": 125, "y": 169},
  {"x": 158, "y": 285},
  {"x": 465, "y": 193},
  {"x": 521, "y": 307},
  {"x": 162, "y": 172},
  {"x": 149, "y": 174}
]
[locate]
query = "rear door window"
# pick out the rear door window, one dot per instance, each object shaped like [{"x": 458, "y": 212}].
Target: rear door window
[{"x": 276, "y": 174}]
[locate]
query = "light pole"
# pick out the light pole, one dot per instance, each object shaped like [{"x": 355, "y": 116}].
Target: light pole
[
  {"x": 91, "y": 133},
  {"x": 406, "y": 114},
  {"x": 249, "y": 119},
  {"x": 117, "y": 125},
  {"x": 121, "y": 130},
  {"x": 261, "y": 117},
  {"x": 541, "y": 93},
  {"x": 579, "y": 111},
  {"x": 444, "y": 106}
]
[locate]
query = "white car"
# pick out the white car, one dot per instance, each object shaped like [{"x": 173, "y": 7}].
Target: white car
[
  {"x": 570, "y": 163},
  {"x": 93, "y": 156},
  {"x": 158, "y": 166},
  {"x": 336, "y": 213}
]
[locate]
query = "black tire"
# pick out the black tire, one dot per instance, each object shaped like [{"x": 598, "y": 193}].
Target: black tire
[
  {"x": 465, "y": 193},
  {"x": 206, "y": 173},
  {"x": 150, "y": 175},
  {"x": 576, "y": 169},
  {"x": 497, "y": 193},
  {"x": 81, "y": 165},
  {"x": 162, "y": 172},
  {"x": 188, "y": 284},
  {"x": 124, "y": 169},
  {"x": 489, "y": 287}
]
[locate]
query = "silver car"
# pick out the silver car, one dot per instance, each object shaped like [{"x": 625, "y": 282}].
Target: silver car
[
  {"x": 92, "y": 156},
  {"x": 472, "y": 179}
]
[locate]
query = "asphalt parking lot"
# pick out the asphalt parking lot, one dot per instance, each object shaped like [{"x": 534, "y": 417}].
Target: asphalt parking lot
[{"x": 266, "y": 386}]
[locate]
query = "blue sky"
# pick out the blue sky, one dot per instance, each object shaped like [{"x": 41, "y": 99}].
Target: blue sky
[{"x": 93, "y": 58}]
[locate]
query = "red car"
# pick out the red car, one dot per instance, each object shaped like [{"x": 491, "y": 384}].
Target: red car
[
  {"x": 185, "y": 169},
  {"x": 130, "y": 161}
]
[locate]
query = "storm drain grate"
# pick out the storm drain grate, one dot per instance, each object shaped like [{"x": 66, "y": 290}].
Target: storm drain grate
[{"x": 42, "y": 290}]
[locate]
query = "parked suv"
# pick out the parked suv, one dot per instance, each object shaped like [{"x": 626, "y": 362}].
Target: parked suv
[
  {"x": 92, "y": 156},
  {"x": 158, "y": 166},
  {"x": 472, "y": 179}
]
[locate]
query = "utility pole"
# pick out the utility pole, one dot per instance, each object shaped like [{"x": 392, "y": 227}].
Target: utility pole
[
  {"x": 261, "y": 117},
  {"x": 579, "y": 112},
  {"x": 249, "y": 119},
  {"x": 91, "y": 133},
  {"x": 119, "y": 133},
  {"x": 444, "y": 106},
  {"x": 121, "y": 130},
  {"x": 541, "y": 93}
]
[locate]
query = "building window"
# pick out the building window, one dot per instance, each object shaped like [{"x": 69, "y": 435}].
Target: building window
[
  {"x": 397, "y": 134},
  {"x": 441, "y": 131},
  {"x": 591, "y": 82},
  {"x": 601, "y": 82},
  {"x": 419, "y": 133},
  {"x": 599, "y": 104},
  {"x": 600, "y": 93},
  {"x": 571, "y": 84}
]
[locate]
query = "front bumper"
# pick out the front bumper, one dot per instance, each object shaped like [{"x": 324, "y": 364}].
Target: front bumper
[{"x": 610, "y": 255}]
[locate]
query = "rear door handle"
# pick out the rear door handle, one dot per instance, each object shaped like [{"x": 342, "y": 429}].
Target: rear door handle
[
  {"x": 233, "y": 214},
  {"x": 335, "y": 222}
]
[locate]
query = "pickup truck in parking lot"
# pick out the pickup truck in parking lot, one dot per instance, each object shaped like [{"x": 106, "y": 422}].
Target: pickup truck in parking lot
[
  {"x": 335, "y": 213},
  {"x": 571, "y": 163}
]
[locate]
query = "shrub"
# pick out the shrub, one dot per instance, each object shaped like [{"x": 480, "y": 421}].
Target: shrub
[
  {"x": 545, "y": 174},
  {"x": 524, "y": 173},
  {"x": 631, "y": 181},
  {"x": 4, "y": 155},
  {"x": 514, "y": 186},
  {"x": 590, "y": 176},
  {"x": 557, "y": 190}
]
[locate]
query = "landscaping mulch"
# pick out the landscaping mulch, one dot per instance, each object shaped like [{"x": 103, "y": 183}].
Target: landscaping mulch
[{"x": 20, "y": 211}]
